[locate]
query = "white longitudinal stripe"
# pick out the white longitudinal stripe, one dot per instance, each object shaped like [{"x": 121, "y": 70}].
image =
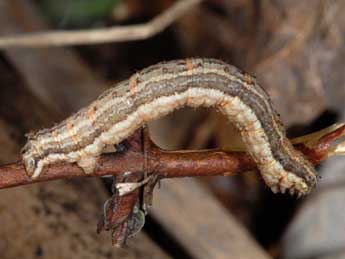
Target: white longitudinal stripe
[
  {"x": 257, "y": 144},
  {"x": 142, "y": 85}
]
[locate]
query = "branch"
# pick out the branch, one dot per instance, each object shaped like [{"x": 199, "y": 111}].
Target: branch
[
  {"x": 142, "y": 155},
  {"x": 104, "y": 35}
]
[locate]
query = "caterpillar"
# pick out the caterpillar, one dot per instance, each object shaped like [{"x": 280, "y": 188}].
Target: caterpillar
[{"x": 161, "y": 89}]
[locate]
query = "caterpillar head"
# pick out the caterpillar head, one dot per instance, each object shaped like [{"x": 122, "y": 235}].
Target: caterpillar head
[{"x": 30, "y": 158}]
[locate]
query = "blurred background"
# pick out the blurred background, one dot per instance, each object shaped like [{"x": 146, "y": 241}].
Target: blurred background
[{"x": 294, "y": 48}]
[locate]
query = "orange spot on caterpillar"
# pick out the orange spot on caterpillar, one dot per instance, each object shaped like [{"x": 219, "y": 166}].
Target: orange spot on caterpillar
[
  {"x": 267, "y": 164},
  {"x": 189, "y": 65},
  {"x": 250, "y": 126},
  {"x": 133, "y": 83},
  {"x": 55, "y": 136},
  {"x": 91, "y": 114},
  {"x": 248, "y": 78},
  {"x": 222, "y": 104},
  {"x": 71, "y": 133},
  {"x": 69, "y": 125}
]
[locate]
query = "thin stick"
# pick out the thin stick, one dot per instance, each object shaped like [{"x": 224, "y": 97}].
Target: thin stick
[
  {"x": 167, "y": 164},
  {"x": 94, "y": 36}
]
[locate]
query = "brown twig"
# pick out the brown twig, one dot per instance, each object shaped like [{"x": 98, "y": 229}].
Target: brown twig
[
  {"x": 142, "y": 155},
  {"x": 104, "y": 35}
]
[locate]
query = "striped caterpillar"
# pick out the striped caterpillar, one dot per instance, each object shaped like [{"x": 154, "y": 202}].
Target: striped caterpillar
[{"x": 159, "y": 90}]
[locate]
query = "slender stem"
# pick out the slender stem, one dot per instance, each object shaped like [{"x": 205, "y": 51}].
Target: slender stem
[
  {"x": 143, "y": 155},
  {"x": 102, "y": 35}
]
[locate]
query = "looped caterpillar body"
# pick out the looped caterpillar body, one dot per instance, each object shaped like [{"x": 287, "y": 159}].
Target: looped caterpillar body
[{"x": 159, "y": 90}]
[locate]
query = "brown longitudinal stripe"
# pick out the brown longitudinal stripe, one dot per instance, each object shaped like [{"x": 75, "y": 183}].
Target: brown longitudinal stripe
[{"x": 158, "y": 90}]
